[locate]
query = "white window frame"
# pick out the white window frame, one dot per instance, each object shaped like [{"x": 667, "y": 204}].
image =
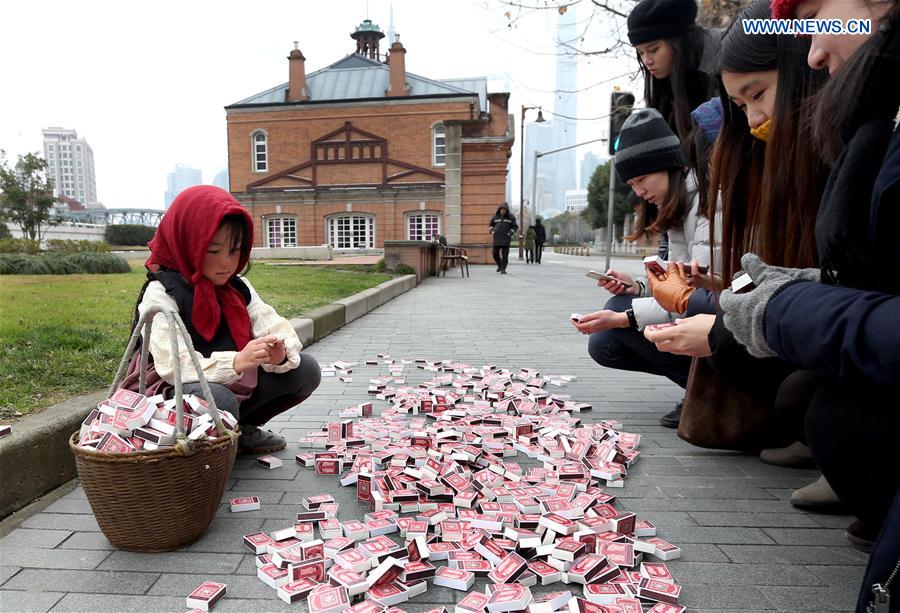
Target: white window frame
[
  {"x": 420, "y": 233},
  {"x": 285, "y": 228},
  {"x": 439, "y": 150},
  {"x": 258, "y": 147},
  {"x": 341, "y": 230}
]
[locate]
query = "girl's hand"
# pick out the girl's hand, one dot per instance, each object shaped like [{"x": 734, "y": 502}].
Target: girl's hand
[
  {"x": 601, "y": 320},
  {"x": 687, "y": 337},
  {"x": 254, "y": 354},
  {"x": 277, "y": 352},
  {"x": 671, "y": 290},
  {"x": 615, "y": 287},
  {"x": 695, "y": 278}
]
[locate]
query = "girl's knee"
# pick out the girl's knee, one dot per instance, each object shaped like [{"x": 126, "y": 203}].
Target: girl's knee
[{"x": 308, "y": 375}]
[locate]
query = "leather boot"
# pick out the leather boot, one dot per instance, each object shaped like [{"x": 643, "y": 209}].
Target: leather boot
[
  {"x": 795, "y": 455},
  {"x": 817, "y": 496}
]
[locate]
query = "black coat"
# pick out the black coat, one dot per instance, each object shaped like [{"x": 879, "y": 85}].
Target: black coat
[
  {"x": 503, "y": 227},
  {"x": 540, "y": 234}
]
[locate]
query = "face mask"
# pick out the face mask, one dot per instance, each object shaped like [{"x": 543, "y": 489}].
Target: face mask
[{"x": 762, "y": 132}]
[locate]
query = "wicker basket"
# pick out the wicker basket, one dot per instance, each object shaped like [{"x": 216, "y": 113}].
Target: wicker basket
[{"x": 165, "y": 499}]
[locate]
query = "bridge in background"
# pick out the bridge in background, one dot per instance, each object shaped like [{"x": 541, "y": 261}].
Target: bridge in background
[{"x": 142, "y": 217}]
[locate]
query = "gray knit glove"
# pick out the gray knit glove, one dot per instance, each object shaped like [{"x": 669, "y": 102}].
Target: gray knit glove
[{"x": 745, "y": 314}]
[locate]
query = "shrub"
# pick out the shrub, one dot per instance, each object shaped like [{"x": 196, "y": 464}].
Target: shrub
[
  {"x": 380, "y": 266},
  {"x": 129, "y": 234},
  {"x": 405, "y": 269},
  {"x": 62, "y": 264},
  {"x": 73, "y": 246},
  {"x": 19, "y": 245},
  {"x": 4, "y": 231}
]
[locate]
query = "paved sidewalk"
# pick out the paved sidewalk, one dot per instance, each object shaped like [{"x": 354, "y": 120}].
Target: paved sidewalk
[{"x": 745, "y": 548}]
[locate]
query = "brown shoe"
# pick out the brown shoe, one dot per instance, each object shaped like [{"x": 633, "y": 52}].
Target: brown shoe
[
  {"x": 817, "y": 496},
  {"x": 257, "y": 440},
  {"x": 795, "y": 455}
]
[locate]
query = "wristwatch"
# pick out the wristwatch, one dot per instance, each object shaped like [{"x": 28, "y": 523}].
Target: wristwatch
[{"x": 632, "y": 321}]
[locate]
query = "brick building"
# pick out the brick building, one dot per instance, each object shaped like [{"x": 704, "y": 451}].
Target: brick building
[{"x": 362, "y": 151}]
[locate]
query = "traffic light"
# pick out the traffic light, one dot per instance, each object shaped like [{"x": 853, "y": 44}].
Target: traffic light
[{"x": 620, "y": 105}]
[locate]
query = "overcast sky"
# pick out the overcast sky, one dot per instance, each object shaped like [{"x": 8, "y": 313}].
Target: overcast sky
[{"x": 146, "y": 83}]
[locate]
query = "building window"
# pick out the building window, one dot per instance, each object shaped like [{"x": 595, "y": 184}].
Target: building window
[
  {"x": 351, "y": 232},
  {"x": 423, "y": 226},
  {"x": 281, "y": 232},
  {"x": 439, "y": 145},
  {"x": 260, "y": 152}
]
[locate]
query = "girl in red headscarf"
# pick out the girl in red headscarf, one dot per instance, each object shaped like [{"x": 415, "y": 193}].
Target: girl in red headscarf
[{"x": 250, "y": 355}]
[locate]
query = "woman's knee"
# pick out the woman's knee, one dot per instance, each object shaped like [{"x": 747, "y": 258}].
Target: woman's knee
[
  {"x": 600, "y": 348},
  {"x": 224, "y": 397},
  {"x": 308, "y": 375}
]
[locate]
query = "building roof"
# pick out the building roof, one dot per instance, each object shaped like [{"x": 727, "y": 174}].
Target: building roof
[{"x": 357, "y": 76}]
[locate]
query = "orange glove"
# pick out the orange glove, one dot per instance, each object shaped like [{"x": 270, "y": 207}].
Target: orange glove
[{"x": 671, "y": 290}]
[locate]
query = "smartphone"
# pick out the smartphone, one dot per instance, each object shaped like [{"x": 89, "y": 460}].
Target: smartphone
[
  {"x": 604, "y": 277},
  {"x": 702, "y": 269}
]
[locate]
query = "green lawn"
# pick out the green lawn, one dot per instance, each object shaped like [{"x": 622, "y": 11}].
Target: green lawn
[{"x": 64, "y": 335}]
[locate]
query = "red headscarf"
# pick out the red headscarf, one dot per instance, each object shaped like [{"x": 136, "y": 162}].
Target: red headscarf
[
  {"x": 784, "y": 9},
  {"x": 183, "y": 236}
]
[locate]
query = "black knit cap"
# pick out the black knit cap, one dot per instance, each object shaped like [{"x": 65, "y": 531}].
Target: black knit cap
[
  {"x": 660, "y": 19},
  {"x": 646, "y": 145}
]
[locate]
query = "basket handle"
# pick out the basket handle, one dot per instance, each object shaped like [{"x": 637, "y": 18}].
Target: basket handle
[{"x": 177, "y": 327}]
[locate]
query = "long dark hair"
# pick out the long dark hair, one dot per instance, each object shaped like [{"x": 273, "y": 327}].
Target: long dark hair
[
  {"x": 650, "y": 218},
  {"x": 769, "y": 193},
  {"x": 865, "y": 88},
  {"x": 685, "y": 88}
]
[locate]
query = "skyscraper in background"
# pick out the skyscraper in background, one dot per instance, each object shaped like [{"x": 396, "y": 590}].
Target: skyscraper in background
[
  {"x": 70, "y": 163},
  {"x": 184, "y": 176},
  {"x": 589, "y": 163},
  {"x": 561, "y": 167}
]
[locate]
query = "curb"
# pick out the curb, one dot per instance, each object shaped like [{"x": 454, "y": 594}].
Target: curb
[{"x": 39, "y": 444}]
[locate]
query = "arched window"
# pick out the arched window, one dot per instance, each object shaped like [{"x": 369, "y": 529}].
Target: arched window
[
  {"x": 260, "y": 151},
  {"x": 439, "y": 145},
  {"x": 351, "y": 231}
]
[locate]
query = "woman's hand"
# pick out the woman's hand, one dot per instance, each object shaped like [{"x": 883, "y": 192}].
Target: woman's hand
[
  {"x": 254, "y": 354},
  {"x": 601, "y": 320},
  {"x": 695, "y": 278},
  {"x": 617, "y": 287},
  {"x": 687, "y": 337},
  {"x": 277, "y": 352},
  {"x": 671, "y": 289}
]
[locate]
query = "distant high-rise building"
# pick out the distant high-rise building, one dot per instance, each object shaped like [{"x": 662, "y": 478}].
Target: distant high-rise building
[
  {"x": 71, "y": 165},
  {"x": 538, "y": 137},
  {"x": 576, "y": 199},
  {"x": 589, "y": 163},
  {"x": 565, "y": 106},
  {"x": 183, "y": 177},
  {"x": 221, "y": 180}
]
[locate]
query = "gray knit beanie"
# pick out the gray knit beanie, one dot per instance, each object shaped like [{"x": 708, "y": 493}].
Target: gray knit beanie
[{"x": 647, "y": 144}]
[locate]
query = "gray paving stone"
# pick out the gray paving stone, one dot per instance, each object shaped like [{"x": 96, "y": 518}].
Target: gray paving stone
[
  {"x": 54, "y": 558},
  {"x": 44, "y": 539},
  {"x": 28, "y": 602},
  {"x": 805, "y": 536},
  {"x": 692, "y": 573},
  {"x": 70, "y": 505},
  {"x": 811, "y": 599},
  {"x": 840, "y": 576},
  {"x": 62, "y": 521},
  {"x": 87, "y": 540},
  {"x": 115, "y": 603},
  {"x": 779, "y": 554},
  {"x": 777, "y": 520},
  {"x": 241, "y": 586},
  {"x": 87, "y": 581},
  {"x": 700, "y": 552},
  {"x": 719, "y": 597},
  {"x": 173, "y": 562},
  {"x": 8, "y": 571},
  {"x": 703, "y": 534}
]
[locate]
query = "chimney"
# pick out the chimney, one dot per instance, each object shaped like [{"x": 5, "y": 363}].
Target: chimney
[
  {"x": 297, "y": 76},
  {"x": 397, "y": 63}
]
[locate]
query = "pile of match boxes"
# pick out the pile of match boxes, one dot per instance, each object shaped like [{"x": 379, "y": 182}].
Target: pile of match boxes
[
  {"x": 447, "y": 506},
  {"x": 128, "y": 422}
]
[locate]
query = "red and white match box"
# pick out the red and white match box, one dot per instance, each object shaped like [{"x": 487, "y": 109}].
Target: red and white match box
[
  {"x": 367, "y": 606},
  {"x": 304, "y": 531},
  {"x": 330, "y": 528},
  {"x": 263, "y": 559},
  {"x": 273, "y": 576},
  {"x": 620, "y": 554},
  {"x": 257, "y": 542},
  {"x": 389, "y": 594},
  {"x": 355, "y": 530},
  {"x": 624, "y": 523},
  {"x": 379, "y": 527},
  {"x": 247, "y": 503},
  {"x": 656, "y": 571},
  {"x": 354, "y": 583},
  {"x": 269, "y": 461},
  {"x": 206, "y": 595},
  {"x": 353, "y": 560},
  {"x": 605, "y": 593},
  {"x": 474, "y": 602},
  {"x": 558, "y": 523},
  {"x": 308, "y": 569},
  {"x": 417, "y": 570},
  {"x": 311, "y": 549},
  {"x": 659, "y": 591},
  {"x": 642, "y": 527},
  {"x": 509, "y": 569},
  {"x": 628, "y": 605},
  {"x": 454, "y": 579},
  {"x": 312, "y": 503},
  {"x": 509, "y": 597},
  {"x": 569, "y": 549},
  {"x": 664, "y": 550},
  {"x": 328, "y": 466},
  {"x": 336, "y": 545},
  {"x": 386, "y": 572},
  {"x": 328, "y": 600},
  {"x": 295, "y": 591},
  {"x": 283, "y": 559},
  {"x": 549, "y": 603},
  {"x": 283, "y": 534},
  {"x": 662, "y": 607},
  {"x": 545, "y": 573},
  {"x": 586, "y": 568}
]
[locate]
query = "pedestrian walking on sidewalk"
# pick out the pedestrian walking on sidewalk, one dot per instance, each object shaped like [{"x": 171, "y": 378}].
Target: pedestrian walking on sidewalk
[
  {"x": 529, "y": 244},
  {"x": 540, "y": 237},
  {"x": 502, "y": 227}
]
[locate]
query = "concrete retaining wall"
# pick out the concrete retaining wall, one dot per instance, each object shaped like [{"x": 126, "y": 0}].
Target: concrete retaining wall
[
  {"x": 320, "y": 252},
  {"x": 36, "y": 458}
]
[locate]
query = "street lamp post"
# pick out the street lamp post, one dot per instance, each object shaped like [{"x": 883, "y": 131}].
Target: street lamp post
[{"x": 540, "y": 119}]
